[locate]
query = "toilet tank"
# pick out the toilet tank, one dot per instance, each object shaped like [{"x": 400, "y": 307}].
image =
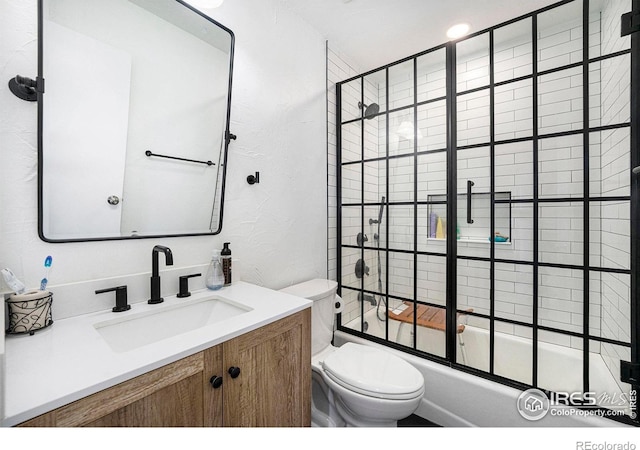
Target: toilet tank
[{"x": 323, "y": 294}]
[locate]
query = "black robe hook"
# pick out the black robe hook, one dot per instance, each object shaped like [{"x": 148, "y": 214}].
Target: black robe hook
[{"x": 24, "y": 88}]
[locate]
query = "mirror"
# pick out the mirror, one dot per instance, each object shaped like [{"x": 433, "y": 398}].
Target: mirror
[{"x": 133, "y": 121}]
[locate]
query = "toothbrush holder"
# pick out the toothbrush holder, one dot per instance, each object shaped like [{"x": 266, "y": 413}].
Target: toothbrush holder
[{"x": 29, "y": 312}]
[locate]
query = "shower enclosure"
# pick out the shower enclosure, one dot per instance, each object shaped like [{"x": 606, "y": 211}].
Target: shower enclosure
[{"x": 487, "y": 207}]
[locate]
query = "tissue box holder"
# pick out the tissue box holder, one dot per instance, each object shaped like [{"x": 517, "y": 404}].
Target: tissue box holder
[{"x": 29, "y": 312}]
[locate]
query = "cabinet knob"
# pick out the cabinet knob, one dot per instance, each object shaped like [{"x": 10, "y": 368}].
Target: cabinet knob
[
  {"x": 234, "y": 371},
  {"x": 216, "y": 381}
]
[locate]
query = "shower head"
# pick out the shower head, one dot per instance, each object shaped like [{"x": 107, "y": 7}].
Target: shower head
[{"x": 370, "y": 111}]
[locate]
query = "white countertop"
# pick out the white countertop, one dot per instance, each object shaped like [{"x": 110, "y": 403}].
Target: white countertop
[{"x": 70, "y": 360}]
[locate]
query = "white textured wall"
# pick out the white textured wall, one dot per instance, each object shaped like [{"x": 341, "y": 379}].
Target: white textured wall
[{"x": 277, "y": 228}]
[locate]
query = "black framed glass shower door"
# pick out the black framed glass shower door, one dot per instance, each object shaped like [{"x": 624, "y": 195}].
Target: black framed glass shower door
[{"x": 485, "y": 202}]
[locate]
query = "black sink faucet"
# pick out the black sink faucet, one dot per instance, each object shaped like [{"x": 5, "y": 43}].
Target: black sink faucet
[{"x": 155, "y": 273}]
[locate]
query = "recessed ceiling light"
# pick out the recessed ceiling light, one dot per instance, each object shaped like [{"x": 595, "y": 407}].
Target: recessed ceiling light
[
  {"x": 457, "y": 31},
  {"x": 205, "y": 4}
]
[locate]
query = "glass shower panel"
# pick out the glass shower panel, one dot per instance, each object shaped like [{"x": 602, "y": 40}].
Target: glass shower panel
[
  {"x": 432, "y": 279},
  {"x": 432, "y": 295},
  {"x": 351, "y": 224},
  {"x": 351, "y": 183},
  {"x": 432, "y": 193},
  {"x": 432, "y": 126},
  {"x": 351, "y": 142},
  {"x": 474, "y": 202},
  {"x": 432, "y": 75},
  {"x": 512, "y": 51},
  {"x": 352, "y": 313},
  {"x": 402, "y": 132},
  {"x": 400, "y": 277},
  {"x": 561, "y": 233},
  {"x": 375, "y": 140},
  {"x": 513, "y": 110},
  {"x": 350, "y": 259},
  {"x": 351, "y": 94},
  {"x": 519, "y": 246},
  {"x": 560, "y": 298},
  {"x": 375, "y": 182},
  {"x": 401, "y": 85},
  {"x": 473, "y": 343},
  {"x": 432, "y": 175},
  {"x": 401, "y": 227},
  {"x": 560, "y": 36},
  {"x": 472, "y": 63},
  {"x": 604, "y": 27},
  {"x": 474, "y": 286},
  {"x": 609, "y": 95},
  {"x": 514, "y": 169},
  {"x": 561, "y": 167},
  {"x": 513, "y": 294},
  {"x": 474, "y": 118},
  {"x": 375, "y": 271},
  {"x": 375, "y": 93},
  {"x": 401, "y": 179},
  {"x": 610, "y": 162},
  {"x": 560, "y": 101},
  {"x": 556, "y": 355},
  {"x": 513, "y": 352},
  {"x": 376, "y": 233},
  {"x": 427, "y": 227},
  {"x": 610, "y": 234},
  {"x": 611, "y": 294}
]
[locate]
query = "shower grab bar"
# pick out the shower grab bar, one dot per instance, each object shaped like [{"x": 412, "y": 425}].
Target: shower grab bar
[
  {"x": 150, "y": 154},
  {"x": 469, "y": 185}
]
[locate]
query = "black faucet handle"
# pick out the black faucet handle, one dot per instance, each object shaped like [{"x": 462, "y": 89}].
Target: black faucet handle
[
  {"x": 121, "y": 298},
  {"x": 184, "y": 285}
]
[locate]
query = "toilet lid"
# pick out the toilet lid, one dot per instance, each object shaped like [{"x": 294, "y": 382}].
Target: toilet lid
[{"x": 374, "y": 372}]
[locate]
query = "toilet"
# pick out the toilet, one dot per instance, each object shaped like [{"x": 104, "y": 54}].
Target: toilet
[{"x": 353, "y": 385}]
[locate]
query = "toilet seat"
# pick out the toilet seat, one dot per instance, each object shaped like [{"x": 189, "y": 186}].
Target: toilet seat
[{"x": 373, "y": 372}]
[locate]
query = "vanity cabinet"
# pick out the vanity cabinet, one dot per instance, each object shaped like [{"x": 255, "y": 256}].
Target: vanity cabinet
[{"x": 261, "y": 378}]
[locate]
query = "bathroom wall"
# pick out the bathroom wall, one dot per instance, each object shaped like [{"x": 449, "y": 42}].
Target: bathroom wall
[{"x": 277, "y": 228}]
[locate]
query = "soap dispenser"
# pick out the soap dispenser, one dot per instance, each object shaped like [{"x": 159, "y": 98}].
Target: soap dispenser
[
  {"x": 226, "y": 263},
  {"x": 214, "y": 279}
]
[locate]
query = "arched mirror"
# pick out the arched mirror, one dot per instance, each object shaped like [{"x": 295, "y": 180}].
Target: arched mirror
[{"x": 133, "y": 119}]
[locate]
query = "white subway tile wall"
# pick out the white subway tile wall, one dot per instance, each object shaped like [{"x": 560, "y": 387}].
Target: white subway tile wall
[{"x": 560, "y": 176}]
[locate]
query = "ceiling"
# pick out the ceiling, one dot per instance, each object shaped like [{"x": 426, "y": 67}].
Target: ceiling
[{"x": 373, "y": 33}]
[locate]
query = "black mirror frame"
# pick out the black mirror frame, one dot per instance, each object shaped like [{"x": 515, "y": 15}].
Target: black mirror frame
[{"x": 228, "y": 136}]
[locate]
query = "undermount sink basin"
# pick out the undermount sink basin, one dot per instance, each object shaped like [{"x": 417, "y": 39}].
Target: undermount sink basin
[{"x": 163, "y": 322}]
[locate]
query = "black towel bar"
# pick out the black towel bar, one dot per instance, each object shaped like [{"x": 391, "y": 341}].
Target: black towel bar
[{"x": 208, "y": 163}]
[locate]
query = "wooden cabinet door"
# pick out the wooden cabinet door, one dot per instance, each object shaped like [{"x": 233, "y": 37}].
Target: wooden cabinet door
[
  {"x": 170, "y": 396},
  {"x": 274, "y": 384},
  {"x": 213, "y": 395}
]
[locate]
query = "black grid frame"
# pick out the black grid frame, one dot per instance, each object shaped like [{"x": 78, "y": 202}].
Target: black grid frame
[{"x": 536, "y": 200}]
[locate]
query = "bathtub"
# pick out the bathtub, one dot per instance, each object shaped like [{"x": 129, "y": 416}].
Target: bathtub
[{"x": 455, "y": 398}]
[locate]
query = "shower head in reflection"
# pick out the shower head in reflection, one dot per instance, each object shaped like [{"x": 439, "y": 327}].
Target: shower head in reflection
[{"x": 369, "y": 111}]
